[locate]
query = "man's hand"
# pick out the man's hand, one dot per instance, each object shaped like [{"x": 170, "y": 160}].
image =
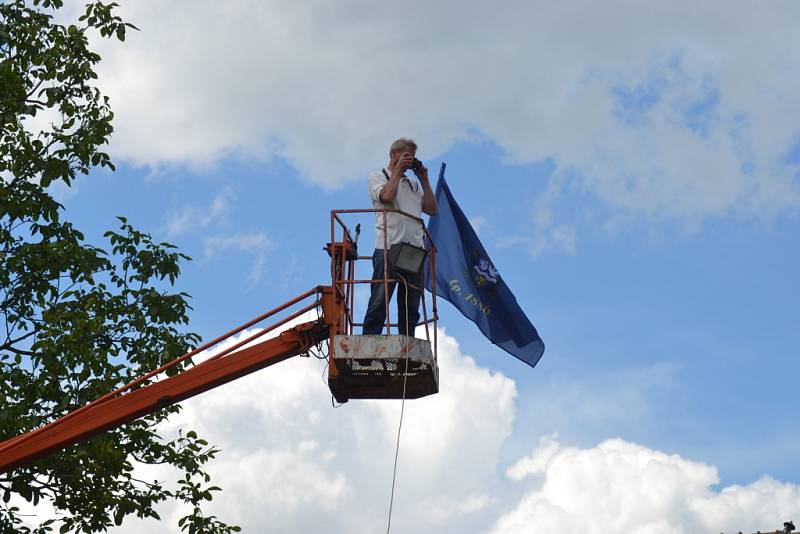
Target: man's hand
[
  {"x": 429, "y": 204},
  {"x": 405, "y": 162}
]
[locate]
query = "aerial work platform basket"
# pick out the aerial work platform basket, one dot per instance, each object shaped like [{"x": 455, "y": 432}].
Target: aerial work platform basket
[
  {"x": 387, "y": 366},
  {"x": 374, "y": 367}
]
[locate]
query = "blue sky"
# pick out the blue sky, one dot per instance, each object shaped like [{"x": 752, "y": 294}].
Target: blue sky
[
  {"x": 709, "y": 311},
  {"x": 632, "y": 172}
]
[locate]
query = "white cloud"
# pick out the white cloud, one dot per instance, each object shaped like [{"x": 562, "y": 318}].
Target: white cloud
[
  {"x": 239, "y": 241},
  {"x": 677, "y": 110},
  {"x": 192, "y": 217},
  {"x": 291, "y": 463},
  {"x": 561, "y": 237},
  {"x": 622, "y": 487},
  {"x": 253, "y": 243}
]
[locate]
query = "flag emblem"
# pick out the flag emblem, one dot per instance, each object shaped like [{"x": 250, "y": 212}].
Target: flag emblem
[{"x": 485, "y": 273}]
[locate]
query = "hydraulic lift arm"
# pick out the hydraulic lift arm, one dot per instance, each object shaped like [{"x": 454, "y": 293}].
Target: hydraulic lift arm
[{"x": 138, "y": 401}]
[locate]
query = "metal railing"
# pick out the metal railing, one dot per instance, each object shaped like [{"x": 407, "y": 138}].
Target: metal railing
[{"x": 343, "y": 272}]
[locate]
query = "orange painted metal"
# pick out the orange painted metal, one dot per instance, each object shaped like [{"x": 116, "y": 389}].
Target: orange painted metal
[
  {"x": 346, "y": 284},
  {"x": 339, "y": 296},
  {"x": 24, "y": 437},
  {"x": 130, "y": 402}
]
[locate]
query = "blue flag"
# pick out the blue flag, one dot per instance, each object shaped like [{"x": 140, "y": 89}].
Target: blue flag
[{"x": 467, "y": 278}]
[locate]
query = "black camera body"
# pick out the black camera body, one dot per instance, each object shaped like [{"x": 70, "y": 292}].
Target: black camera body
[{"x": 416, "y": 166}]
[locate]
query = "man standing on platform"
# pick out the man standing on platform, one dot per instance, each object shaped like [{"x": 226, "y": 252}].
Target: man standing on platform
[{"x": 391, "y": 188}]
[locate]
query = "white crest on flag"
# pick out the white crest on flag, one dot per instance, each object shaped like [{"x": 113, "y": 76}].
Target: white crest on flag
[{"x": 486, "y": 272}]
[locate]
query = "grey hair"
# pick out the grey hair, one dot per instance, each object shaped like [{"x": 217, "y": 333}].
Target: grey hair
[{"x": 403, "y": 144}]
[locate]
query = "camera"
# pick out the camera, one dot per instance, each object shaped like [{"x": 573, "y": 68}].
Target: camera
[{"x": 416, "y": 166}]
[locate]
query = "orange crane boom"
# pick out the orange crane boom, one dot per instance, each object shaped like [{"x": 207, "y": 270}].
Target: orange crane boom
[{"x": 105, "y": 414}]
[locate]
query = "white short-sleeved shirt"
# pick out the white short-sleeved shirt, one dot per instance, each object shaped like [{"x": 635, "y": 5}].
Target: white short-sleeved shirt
[{"x": 408, "y": 199}]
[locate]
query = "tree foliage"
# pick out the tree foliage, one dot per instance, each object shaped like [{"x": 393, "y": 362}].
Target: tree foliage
[{"x": 76, "y": 320}]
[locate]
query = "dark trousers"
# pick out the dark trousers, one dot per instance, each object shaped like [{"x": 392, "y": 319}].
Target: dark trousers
[{"x": 376, "y": 309}]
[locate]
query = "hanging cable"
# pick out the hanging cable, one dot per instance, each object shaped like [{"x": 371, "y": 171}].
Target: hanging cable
[{"x": 402, "y": 409}]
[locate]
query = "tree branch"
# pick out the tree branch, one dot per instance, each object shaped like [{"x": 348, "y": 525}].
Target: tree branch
[
  {"x": 9, "y": 344},
  {"x": 20, "y": 351},
  {"x": 35, "y": 87}
]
